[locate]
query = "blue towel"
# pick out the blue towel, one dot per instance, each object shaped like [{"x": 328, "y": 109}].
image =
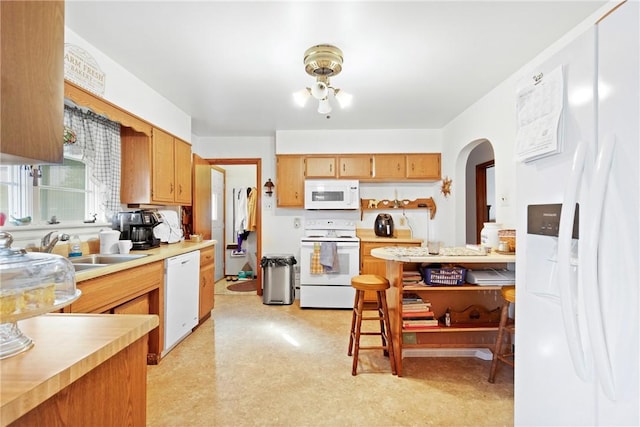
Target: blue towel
[{"x": 329, "y": 257}]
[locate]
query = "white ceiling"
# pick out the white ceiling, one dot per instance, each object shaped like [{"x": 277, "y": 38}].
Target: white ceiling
[{"x": 234, "y": 65}]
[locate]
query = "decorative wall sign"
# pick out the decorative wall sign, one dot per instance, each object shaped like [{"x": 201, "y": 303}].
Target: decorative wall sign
[{"x": 82, "y": 69}]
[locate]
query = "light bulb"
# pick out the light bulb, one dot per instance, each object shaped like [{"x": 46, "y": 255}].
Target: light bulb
[
  {"x": 324, "y": 107},
  {"x": 343, "y": 98},
  {"x": 300, "y": 97},
  {"x": 319, "y": 90}
]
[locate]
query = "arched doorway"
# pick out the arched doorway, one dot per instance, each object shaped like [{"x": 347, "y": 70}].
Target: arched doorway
[{"x": 480, "y": 187}]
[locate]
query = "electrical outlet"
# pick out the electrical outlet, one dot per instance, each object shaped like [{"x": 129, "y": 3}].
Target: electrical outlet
[
  {"x": 268, "y": 203},
  {"x": 504, "y": 201},
  {"x": 403, "y": 220},
  {"x": 296, "y": 222}
]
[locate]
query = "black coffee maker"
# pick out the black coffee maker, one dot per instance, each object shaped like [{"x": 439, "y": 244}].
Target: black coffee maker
[{"x": 137, "y": 226}]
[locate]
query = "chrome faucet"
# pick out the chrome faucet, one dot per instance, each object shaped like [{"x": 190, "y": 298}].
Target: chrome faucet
[{"x": 47, "y": 243}]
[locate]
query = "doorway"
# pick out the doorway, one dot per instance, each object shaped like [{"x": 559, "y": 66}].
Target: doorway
[
  {"x": 480, "y": 189},
  {"x": 485, "y": 195},
  {"x": 206, "y": 218}
]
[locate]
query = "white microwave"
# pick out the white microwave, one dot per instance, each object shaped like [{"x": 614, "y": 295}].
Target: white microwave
[{"x": 331, "y": 194}]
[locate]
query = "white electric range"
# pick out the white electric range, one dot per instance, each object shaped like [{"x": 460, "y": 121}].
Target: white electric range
[{"x": 324, "y": 241}]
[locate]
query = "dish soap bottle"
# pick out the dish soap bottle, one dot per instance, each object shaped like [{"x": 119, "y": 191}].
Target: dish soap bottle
[{"x": 75, "y": 246}]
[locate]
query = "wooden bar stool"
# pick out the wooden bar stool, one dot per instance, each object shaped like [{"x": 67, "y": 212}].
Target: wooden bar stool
[
  {"x": 506, "y": 328},
  {"x": 379, "y": 284}
]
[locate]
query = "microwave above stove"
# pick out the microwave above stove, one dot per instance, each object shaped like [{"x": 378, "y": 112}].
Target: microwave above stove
[{"x": 332, "y": 194}]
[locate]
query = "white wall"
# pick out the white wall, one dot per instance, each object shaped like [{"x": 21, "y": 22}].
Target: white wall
[
  {"x": 358, "y": 141},
  {"x": 132, "y": 94},
  {"x": 492, "y": 118}
]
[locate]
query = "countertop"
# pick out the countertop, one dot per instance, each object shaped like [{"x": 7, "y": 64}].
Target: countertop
[
  {"x": 153, "y": 255},
  {"x": 420, "y": 255},
  {"x": 67, "y": 346},
  {"x": 400, "y": 236}
]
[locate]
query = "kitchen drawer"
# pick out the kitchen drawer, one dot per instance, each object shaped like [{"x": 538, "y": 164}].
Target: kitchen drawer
[{"x": 207, "y": 256}]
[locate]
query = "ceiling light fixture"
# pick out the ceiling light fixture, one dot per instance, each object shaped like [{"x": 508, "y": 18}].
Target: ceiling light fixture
[{"x": 322, "y": 62}]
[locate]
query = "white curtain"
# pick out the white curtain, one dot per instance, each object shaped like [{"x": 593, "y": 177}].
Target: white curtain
[{"x": 98, "y": 144}]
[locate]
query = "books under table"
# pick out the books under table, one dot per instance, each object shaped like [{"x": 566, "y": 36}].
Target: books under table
[
  {"x": 418, "y": 314},
  {"x": 411, "y": 278},
  {"x": 419, "y": 323},
  {"x": 420, "y": 306}
]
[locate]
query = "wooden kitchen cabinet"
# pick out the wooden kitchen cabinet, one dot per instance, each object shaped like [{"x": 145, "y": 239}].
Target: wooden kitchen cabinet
[
  {"x": 207, "y": 283},
  {"x": 182, "y": 172},
  {"x": 389, "y": 166},
  {"x": 127, "y": 292},
  {"x": 290, "y": 181},
  {"x": 349, "y": 166},
  {"x": 32, "y": 89},
  {"x": 420, "y": 166},
  {"x": 171, "y": 169},
  {"x": 156, "y": 169},
  {"x": 140, "y": 305},
  {"x": 354, "y": 166},
  {"x": 162, "y": 149},
  {"x": 320, "y": 167},
  {"x": 424, "y": 166}
]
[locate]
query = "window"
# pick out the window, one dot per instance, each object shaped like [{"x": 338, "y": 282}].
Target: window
[{"x": 64, "y": 191}]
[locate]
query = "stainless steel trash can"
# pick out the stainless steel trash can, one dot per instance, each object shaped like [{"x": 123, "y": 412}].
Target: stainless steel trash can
[{"x": 278, "y": 279}]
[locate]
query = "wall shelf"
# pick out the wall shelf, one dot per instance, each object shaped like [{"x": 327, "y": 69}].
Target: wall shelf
[{"x": 385, "y": 204}]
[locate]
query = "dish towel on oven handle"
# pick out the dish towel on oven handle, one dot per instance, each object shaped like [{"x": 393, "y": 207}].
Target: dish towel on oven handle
[
  {"x": 329, "y": 257},
  {"x": 316, "y": 267}
]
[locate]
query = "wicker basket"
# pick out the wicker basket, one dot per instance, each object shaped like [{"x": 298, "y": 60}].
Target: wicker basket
[{"x": 444, "y": 276}]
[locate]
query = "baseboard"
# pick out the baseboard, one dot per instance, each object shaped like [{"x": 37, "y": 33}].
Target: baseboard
[{"x": 480, "y": 353}]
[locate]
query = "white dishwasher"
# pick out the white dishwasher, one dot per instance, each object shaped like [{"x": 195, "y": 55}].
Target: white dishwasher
[{"x": 181, "y": 294}]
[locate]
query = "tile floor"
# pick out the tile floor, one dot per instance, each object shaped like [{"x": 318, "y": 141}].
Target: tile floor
[{"x": 252, "y": 364}]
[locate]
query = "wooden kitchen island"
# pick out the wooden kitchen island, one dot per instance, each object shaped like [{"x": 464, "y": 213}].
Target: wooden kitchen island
[
  {"x": 444, "y": 339},
  {"x": 84, "y": 369}
]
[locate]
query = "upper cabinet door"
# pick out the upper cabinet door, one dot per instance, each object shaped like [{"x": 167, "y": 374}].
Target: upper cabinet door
[
  {"x": 320, "y": 167},
  {"x": 32, "y": 89},
  {"x": 183, "y": 172},
  {"x": 389, "y": 166},
  {"x": 163, "y": 167},
  {"x": 424, "y": 166},
  {"x": 289, "y": 187},
  {"x": 356, "y": 166}
]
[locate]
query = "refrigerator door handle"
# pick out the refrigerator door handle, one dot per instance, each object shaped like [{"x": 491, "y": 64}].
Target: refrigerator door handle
[
  {"x": 589, "y": 264},
  {"x": 564, "y": 277}
]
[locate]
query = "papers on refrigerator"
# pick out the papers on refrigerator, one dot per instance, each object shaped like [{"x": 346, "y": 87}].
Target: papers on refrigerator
[{"x": 539, "y": 104}]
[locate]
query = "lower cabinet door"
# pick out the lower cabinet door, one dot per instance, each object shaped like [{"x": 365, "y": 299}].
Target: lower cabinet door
[
  {"x": 138, "y": 305},
  {"x": 207, "y": 290}
]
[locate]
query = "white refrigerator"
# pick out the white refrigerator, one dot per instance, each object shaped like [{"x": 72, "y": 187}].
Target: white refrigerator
[{"x": 577, "y": 323}]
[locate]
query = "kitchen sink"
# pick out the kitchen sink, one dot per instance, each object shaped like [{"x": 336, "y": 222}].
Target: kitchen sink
[
  {"x": 82, "y": 267},
  {"x": 103, "y": 259}
]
